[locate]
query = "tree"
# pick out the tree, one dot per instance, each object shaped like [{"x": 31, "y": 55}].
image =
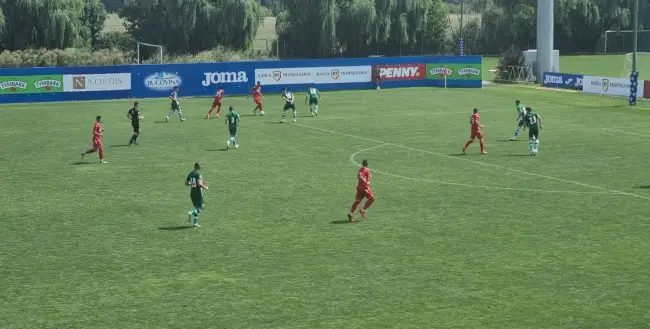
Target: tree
[
  {"x": 48, "y": 24},
  {"x": 190, "y": 26},
  {"x": 113, "y": 6},
  {"x": 94, "y": 18}
]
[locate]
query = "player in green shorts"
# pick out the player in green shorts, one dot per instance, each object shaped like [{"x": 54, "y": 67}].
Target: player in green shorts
[
  {"x": 173, "y": 97},
  {"x": 232, "y": 119},
  {"x": 313, "y": 96},
  {"x": 288, "y": 104},
  {"x": 534, "y": 124},
  {"x": 195, "y": 181},
  {"x": 521, "y": 113}
]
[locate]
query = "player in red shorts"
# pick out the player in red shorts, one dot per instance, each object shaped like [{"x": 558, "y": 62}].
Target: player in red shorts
[
  {"x": 98, "y": 132},
  {"x": 256, "y": 92},
  {"x": 363, "y": 191},
  {"x": 216, "y": 103},
  {"x": 476, "y": 132}
]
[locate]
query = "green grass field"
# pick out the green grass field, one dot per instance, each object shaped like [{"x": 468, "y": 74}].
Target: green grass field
[{"x": 504, "y": 240}]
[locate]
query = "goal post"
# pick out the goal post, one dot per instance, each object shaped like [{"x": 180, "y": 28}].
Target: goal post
[
  {"x": 145, "y": 45},
  {"x": 620, "y": 42}
]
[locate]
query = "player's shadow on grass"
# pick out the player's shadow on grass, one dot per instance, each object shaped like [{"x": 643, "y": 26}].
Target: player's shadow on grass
[
  {"x": 344, "y": 222},
  {"x": 120, "y": 145},
  {"x": 79, "y": 163},
  {"x": 643, "y": 186},
  {"x": 160, "y": 122},
  {"x": 174, "y": 228},
  {"x": 274, "y": 122},
  {"x": 517, "y": 155},
  {"x": 217, "y": 150}
]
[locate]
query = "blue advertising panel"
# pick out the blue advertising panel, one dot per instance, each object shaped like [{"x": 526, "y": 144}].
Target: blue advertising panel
[
  {"x": 150, "y": 81},
  {"x": 203, "y": 79},
  {"x": 562, "y": 80}
]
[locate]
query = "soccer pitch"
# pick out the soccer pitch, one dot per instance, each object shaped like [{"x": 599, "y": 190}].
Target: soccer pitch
[{"x": 503, "y": 240}]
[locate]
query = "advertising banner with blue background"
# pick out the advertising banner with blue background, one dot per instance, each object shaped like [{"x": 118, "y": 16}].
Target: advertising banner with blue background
[
  {"x": 203, "y": 79},
  {"x": 562, "y": 80}
]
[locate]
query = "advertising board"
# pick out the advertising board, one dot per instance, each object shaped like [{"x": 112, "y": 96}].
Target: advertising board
[
  {"x": 314, "y": 75},
  {"x": 97, "y": 82},
  {"x": 609, "y": 86}
]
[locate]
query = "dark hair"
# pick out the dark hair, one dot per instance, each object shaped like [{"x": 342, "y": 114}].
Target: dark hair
[
  {"x": 175, "y": 87},
  {"x": 517, "y": 101},
  {"x": 475, "y": 110},
  {"x": 529, "y": 109},
  {"x": 231, "y": 109},
  {"x": 98, "y": 118},
  {"x": 364, "y": 162},
  {"x": 136, "y": 104},
  {"x": 197, "y": 165}
]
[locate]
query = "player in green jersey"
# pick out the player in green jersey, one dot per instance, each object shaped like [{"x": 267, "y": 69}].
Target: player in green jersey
[
  {"x": 288, "y": 104},
  {"x": 232, "y": 119},
  {"x": 313, "y": 96},
  {"x": 173, "y": 97},
  {"x": 534, "y": 124},
  {"x": 521, "y": 113},
  {"x": 195, "y": 181}
]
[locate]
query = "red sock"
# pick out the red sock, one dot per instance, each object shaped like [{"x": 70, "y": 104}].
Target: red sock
[
  {"x": 101, "y": 153},
  {"x": 482, "y": 146},
  {"x": 469, "y": 142},
  {"x": 91, "y": 150},
  {"x": 354, "y": 206},
  {"x": 368, "y": 203}
]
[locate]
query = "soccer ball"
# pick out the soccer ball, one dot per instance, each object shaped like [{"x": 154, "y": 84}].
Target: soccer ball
[
  {"x": 262, "y": 113},
  {"x": 142, "y": 117}
]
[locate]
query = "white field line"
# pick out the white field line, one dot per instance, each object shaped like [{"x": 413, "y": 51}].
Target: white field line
[
  {"x": 625, "y": 132},
  {"x": 353, "y": 161},
  {"x": 459, "y": 158}
]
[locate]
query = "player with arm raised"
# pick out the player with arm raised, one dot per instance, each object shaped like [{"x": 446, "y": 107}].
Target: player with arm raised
[
  {"x": 521, "y": 113},
  {"x": 98, "y": 132},
  {"x": 232, "y": 119},
  {"x": 134, "y": 115},
  {"x": 363, "y": 191},
  {"x": 313, "y": 95},
  {"x": 534, "y": 124},
  {"x": 173, "y": 97},
  {"x": 256, "y": 92},
  {"x": 195, "y": 181},
  {"x": 475, "y": 132},
  {"x": 288, "y": 104},
  {"x": 216, "y": 103}
]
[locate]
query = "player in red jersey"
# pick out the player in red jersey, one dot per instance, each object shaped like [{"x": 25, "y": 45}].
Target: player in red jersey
[
  {"x": 98, "y": 132},
  {"x": 256, "y": 92},
  {"x": 216, "y": 103},
  {"x": 363, "y": 191},
  {"x": 476, "y": 132}
]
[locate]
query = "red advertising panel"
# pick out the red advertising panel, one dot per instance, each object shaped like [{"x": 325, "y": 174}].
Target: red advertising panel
[
  {"x": 401, "y": 72},
  {"x": 646, "y": 89}
]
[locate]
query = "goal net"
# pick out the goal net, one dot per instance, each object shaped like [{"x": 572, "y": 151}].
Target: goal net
[
  {"x": 621, "y": 42},
  {"x": 642, "y": 65}
]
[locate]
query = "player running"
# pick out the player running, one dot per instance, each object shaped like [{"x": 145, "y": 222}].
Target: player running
[
  {"x": 98, "y": 132},
  {"x": 195, "y": 181},
  {"x": 256, "y": 92},
  {"x": 175, "y": 105},
  {"x": 363, "y": 191},
  {"x": 216, "y": 103},
  {"x": 521, "y": 113},
  {"x": 232, "y": 119},
  {"x": 313, "y": 96},
  {"x": 534, "y": 124},
  {"x": 134, "y": 115},
  {"x": 288, "y": 105},
  {"x": 475, "y": 133}
]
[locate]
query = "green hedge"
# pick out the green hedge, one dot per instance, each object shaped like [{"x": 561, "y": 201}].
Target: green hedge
[
  {"x": 84, "y": 57},
  {"x": 61, "y": 57}
]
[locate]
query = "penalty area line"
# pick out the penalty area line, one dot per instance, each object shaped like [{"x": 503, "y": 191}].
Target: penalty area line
[
  {"x": 354, "y": 162},
  {"x": 476, "y": 162}
]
